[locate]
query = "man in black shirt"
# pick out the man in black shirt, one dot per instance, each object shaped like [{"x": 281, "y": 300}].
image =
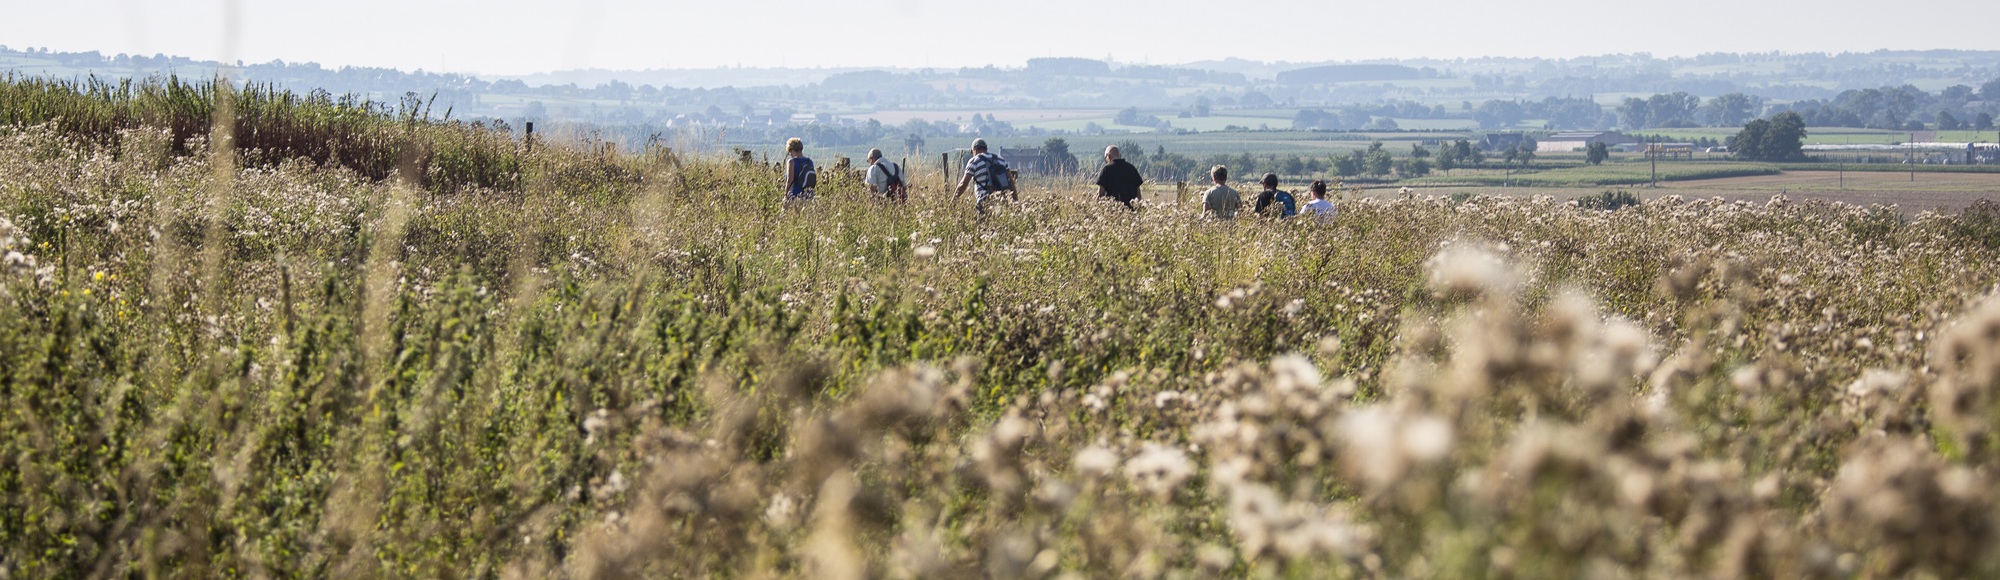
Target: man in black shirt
[{"x": 1119, "y": 180}]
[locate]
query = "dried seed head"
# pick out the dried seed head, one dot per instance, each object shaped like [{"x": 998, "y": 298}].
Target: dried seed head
[
  {"x": 1466, "y": 270},
  {"x": 1095, "y": 462},
  {"x": 1159, "y": 469}
]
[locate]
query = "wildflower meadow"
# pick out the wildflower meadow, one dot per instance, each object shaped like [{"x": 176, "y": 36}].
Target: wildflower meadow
[{"x": 260, "y": 335}]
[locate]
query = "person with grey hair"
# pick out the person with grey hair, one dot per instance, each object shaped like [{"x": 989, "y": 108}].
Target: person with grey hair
[
  {"x": 1221, "y": 201},
  {"x": 885, "y": 177},
  {"x": 1119, "y": 180},
  {"x": 986, "y": 173}
]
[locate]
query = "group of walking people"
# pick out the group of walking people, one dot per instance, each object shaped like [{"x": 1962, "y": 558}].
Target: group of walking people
[
  {"x": 987, "y": 174},
  {"x": 885, "y": 177}
]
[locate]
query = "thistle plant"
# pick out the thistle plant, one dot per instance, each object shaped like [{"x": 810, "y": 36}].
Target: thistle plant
[{"x": 428, "y": 352}]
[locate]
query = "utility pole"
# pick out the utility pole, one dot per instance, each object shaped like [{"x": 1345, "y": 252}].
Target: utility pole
[
  {"x": 1911, "y": 157},
  {"x": 1653, "y": 151}
]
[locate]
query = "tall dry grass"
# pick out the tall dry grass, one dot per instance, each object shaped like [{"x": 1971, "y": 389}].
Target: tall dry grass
[{"x": 649, "y": 367}]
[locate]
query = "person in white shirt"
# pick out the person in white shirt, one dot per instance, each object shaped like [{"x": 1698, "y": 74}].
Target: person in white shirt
[
  {"x": 885, "y": 177},
  {"x": 1319, "y": 206}
]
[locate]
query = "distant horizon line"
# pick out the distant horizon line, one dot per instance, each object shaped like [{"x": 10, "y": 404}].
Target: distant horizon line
[{"x": 1005, "y": 66}]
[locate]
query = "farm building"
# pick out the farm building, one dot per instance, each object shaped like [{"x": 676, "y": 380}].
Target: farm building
[
  {"x": 1578, "y": 140},
  {"x": 1670, "y": 150},
  {"x": 1027, "y": 160}
]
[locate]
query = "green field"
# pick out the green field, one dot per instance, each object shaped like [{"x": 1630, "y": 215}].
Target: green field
[
  {"x": 1213, "y": 123},
  {"x": 1987, "y": 136},
  {"x": 1814, "y": 135},
  {"x": 1609, "y": 174},
  {"x": 1466, "y": 125},
  {"x": 1832, "y": 135}
]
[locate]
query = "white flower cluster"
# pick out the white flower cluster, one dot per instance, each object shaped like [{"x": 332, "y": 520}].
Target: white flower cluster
[
  {"x": 1159, "y": 469},
  {"x": 15, "y": 247}
]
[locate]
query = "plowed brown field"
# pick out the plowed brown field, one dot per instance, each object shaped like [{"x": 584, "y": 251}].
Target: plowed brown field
[{"x": 1929, "y": 191}]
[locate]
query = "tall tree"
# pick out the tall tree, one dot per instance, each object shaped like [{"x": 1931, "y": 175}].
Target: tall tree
[
  {"x": 1787, "y": 138},
  {"x": 1596, "y": 153},
  {"x": 1413, "y": 167},
  {"x": 1749, "y": 143},
  {"x": 1984, "y": 122},
  {"x": 1351, "y": 164},
  {"x": 1498, "y": 114},
  {"x": 1780, "y": 138},
  {"x": 1672, "y": 109},
  {"x": 1731, "y": 110},
  {"x": 1634, "y": 113},
  {"x": 1379, "y": 161},
  {"x": 1447, "y": 158},
  {"x": 1133, "y": 152},
  {"x": 1055, "y": 152}
]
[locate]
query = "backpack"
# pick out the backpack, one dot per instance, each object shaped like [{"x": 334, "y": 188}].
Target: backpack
[
  {"x": 804, "y": 174},
  {"x": 997, "y": 178},
  {"x": 1289, "y": 204},
  {"x": 894, "y": 188}
]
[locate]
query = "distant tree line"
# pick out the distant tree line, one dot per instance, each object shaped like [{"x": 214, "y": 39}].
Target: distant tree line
[
  {"x": 1904, "y": 108},
  {"x": 1374, "y": 162},
  {"x": 1959, "y": 107}
]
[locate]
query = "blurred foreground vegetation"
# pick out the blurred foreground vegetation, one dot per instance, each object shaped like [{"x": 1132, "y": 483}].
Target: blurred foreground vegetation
[{"x": 259, "y": 360}]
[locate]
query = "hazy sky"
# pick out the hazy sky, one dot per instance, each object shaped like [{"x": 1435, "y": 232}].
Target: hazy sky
[{"x": 527, "y": 36}]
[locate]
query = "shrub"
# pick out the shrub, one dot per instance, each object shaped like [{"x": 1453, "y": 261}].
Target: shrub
[{"x": 1609, "y": 200}]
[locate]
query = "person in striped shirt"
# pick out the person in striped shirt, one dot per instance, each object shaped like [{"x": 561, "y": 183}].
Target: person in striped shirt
[{"x": 976, "y": 170}]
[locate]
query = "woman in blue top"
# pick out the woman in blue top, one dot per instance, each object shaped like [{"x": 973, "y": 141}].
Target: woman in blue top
[{"x": 800, "y": 177}]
